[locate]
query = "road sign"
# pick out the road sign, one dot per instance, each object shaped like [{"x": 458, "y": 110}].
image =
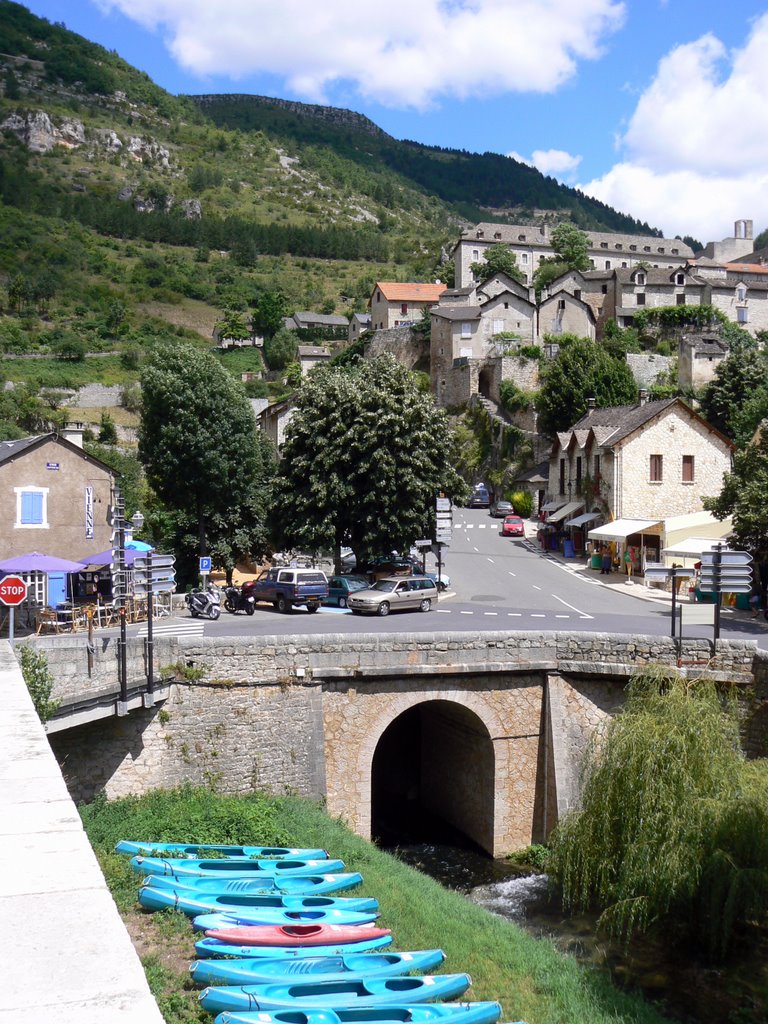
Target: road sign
[
  {"x": 422, "y": 543},
  {"x": 731, "y": 572},
  {"x": 13, "y": 590},
  {"x": 205, "y": 564},
  {"x": 726, "y": 558},
  {"x": 443, "y": 504},
  {"x": 726, "y": 588},
  {"x": 698, "y": 614}
]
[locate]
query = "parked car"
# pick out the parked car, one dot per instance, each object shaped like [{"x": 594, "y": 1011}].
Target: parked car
[
  {"x": 394, "y": 593},
  {"x": 286, "y": 588},
  {"x": 512, "y": 526},
  {"x": 480, "y": 498},
  {"x": 502, "y": 509},
  {"x": 340, "y": 587},
  {"x": 388, "y": 565}
]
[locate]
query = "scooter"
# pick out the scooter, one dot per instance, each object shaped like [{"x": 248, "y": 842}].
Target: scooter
[
  {"x": 240, "y": 599},
  {"x": 204, "y": 602}
]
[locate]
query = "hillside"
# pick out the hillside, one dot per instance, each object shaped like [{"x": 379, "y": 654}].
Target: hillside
[{"x": 127, "y": 213}]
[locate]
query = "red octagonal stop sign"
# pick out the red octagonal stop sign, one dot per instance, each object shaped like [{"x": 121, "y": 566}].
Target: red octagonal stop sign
[{"x": 13, "y": 590}]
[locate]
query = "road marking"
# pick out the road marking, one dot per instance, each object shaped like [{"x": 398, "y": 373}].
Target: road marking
[
  {"x": 515, "y": 615},
  {"x": 482, "y": 526},
  {"x": 477, "y": 549},
  {"x": 490, "y": 613},
  {"x": 466, "y": 613},
  {"x": 512, "y": 573},
  {"x": 579, "y": 612},
  {"x": 447, "y": 611},
  {"x": 558, "y": 616},
  {"x": 182, "y": 629},
  {"x": 470, "y": 526},
  {"x": 535, "y": 587},
  {"x": 490, "y": 560},
  {"x": 538, "y": 615}
]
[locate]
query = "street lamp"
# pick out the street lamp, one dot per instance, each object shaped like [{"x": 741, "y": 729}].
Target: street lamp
[{"x": 137, "y": 521}]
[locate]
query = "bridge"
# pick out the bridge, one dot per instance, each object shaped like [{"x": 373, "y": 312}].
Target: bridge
[{"x": 484, "y": 731}]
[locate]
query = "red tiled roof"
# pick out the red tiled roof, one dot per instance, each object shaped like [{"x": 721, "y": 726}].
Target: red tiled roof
[
  {"x": 410, "y": 291},
  {"x": 747, "y": 268}
]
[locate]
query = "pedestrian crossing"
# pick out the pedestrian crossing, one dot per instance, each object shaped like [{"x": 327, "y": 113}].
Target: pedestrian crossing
[{"x": 182, "y": 628}]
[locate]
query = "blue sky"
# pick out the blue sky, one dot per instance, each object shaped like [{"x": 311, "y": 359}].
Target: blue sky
[{"x": 656, "y": 107}]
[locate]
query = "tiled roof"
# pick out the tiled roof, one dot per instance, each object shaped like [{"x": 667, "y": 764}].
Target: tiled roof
[
  {"x": 456, "y": 312},
  {"x": 539, "y": 472},
  {"x": 410, "y": 291},
  {"x": 313, "y": 351},
  {"x": 624, "y": 419},
  {"x": 10, "y": 448},
  {"x": 307, "y": 317}
]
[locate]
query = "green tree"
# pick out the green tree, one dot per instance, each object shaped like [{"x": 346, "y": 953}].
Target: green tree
[
  {"x": 365, "y": 455},
  {"x": 281, "y": 349},
  {"x": 736, "y": 399},
  {"x": 497, "y": 259},
  {"x": 571, "y": 247},
  {"x": 673, "y": 826},
  {"x": 107, "y": 429},
  {"x": 582, "y": 370},
  {"x": 232, "y": 325},
  {"x": 270, "y": 312},
  {"x": 200, "y": 447},
  {"x": 743, "y": 497}
]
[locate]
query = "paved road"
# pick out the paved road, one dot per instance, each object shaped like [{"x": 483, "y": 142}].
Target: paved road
[{"x": 496, "y": 583}]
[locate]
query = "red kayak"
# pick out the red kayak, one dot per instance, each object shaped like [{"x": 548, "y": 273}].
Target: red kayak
[{"x": 296, "y": 934}]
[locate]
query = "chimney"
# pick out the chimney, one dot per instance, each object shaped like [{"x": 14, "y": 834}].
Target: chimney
[
  {"x": 643, "y": 396},
  {"x": 590, "y": 406},
  {"x": 73, "y": 434}
]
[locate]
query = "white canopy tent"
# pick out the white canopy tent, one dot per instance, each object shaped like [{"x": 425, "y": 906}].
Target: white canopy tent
[
  {"x": 693, "y": 547},
  {"x": 620, "y": 529}
]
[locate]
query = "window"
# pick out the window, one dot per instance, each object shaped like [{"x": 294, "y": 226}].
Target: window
[
  {"x": 633, "y": 248},
  {"x": 742, "y": 315},
  {"x": 618, "y": 245},
  {"x": 506, "y": 305},
  {"x": 657, "y": 468},
  {"x": 577, "y": 293},
  {"x": 640, "y": 279},
  {"x": 597, "y": 468},
  {"x": 561, "y": 304},
  {"x": 741, "y": 293},
  {"x": 523, "y": 257},
  {"x": 603, "y": 245},
  {"x": 578, "y": 474},
  {"x": 675, "y": 252},
  {"x": 466, "y": 330},
  {"x": 497, "y": 234},
  {"x": 624, "y": 264},
  {"x": 646, "y": 248},
  {"x": 498, "y": 326},
  {"x": 378, "y": 296},
  {"x": 403, "y": 308},
  {"x": 562, "y": 476},
  {"x": 604, "y": 289},
  {"x": 32, "y": 508},
  {"x": 688, "y": 465},
  {"x": 680, "y": 300},
  {"x": 475, "y": 255},
  {"x": 521, "y": 238},
  {"x": 660, "y": 249},
  {"x": 680, "y": 279},
  {"x": 640, "y": 298},
  {"x": 607, "y": 264}
]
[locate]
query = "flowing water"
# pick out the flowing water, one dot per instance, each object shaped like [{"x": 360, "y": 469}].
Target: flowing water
[{"x": 682, "y": 987}]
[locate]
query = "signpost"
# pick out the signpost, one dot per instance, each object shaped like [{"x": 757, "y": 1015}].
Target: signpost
[
  {"x": 662, "y": 573},
  {"x": 153, "y": 574},
  {"x": 13, "y": 591},
  {"x": 443, "y": 529},
  {"x": 727, "y": 572},
  {"x": 120, "y": 593},
  {"x": 205, "y": 567}
]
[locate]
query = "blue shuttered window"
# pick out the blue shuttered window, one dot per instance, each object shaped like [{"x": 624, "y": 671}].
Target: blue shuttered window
[{"x": 31, "y": 508}]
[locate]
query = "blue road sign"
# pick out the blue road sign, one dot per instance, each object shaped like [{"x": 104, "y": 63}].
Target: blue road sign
[{"x": 205, "y": 564}]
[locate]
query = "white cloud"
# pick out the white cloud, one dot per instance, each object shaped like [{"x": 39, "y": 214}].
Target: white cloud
[
  {"x": 556, "y": 162},
  {"x": 696, "y": 147},
  {"x": 404, "y": 54}
]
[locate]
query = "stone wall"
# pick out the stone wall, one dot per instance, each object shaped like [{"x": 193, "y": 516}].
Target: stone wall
[{"x": 409, "y": 349}]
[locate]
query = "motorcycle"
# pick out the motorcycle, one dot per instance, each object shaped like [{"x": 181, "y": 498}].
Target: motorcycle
[
  {"x": 204, "y": 602},
  {"x": 240, "y": 599}
]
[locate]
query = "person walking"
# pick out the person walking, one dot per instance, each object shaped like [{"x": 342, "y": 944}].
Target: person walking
[
  {"x": 628, "y": 564},
  {"x": 605, "y": 562}
]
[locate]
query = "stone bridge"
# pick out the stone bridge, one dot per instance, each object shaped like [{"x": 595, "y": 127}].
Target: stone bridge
[{"x": 484, "y": 731}]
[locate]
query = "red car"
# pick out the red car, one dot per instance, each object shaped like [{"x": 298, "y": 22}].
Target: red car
[{"x": 512, "y": 527}]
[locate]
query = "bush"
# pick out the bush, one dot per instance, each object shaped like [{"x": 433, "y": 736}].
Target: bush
[
  {"x": 281, "y": 349},
  {"x": 523, "y": 503},
  {"x": 37, "y": 676}
]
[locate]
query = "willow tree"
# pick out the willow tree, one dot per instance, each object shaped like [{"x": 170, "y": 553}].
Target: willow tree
[
  {"x": 365, "y": 454},
  {"x": 673, "y": 828}
]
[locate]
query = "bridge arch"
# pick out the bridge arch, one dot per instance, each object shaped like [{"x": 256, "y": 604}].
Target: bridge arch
[{"x": 473, "y": 796}]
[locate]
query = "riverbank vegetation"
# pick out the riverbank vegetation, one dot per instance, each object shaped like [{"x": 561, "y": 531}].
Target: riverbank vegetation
[
  {"x": 532, "y": 981},
  {"x": 672, "y": 835}
]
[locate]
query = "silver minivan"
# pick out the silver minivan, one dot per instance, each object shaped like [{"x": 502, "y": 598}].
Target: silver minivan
[{"x": 388, "y": 595}]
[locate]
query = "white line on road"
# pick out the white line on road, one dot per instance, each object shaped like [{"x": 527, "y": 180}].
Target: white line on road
[
  {"x": 562, "y": 616},
  {"x": 490, "y": 613},
  {"x": 538, "y": 615},
  {"x": 490, "y": 560},
  {"x": 477, "y": 549},
  {"x": 515, "y": 615},
  {"x": 482, "y": 526},
  {"x": 466, "y": 613},
  {"x": 470, "y": 526},
  {"x": 535, "y": 587},
  {"x": 512, "y": 573},
  {"x": 443, "y": 611},
  {"x": 579, "y": 612}
]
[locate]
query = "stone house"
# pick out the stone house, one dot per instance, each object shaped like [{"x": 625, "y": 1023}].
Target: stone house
[
  {"x": 698, "y": 356},
  {"x": 644, "y": 462},
  {"x": 532, "y": 242},
  {"x": 306, "y": 320},
  {"x": 642, "y": 288},
  {"x": 311, "y": 356},
  {"x": 400, "y": 304},
  {"x": 275, "y": 418},
  {"x": 470, "y": 348},
  {"x": 739, "y": 290},
  {"x": 54, "y": 499},
  {"x": 359, "y": 323}
]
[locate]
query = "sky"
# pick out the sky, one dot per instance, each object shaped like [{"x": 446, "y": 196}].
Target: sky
[{"x": 656, "y": 107}]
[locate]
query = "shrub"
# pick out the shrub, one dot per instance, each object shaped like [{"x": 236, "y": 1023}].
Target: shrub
[
  {"x": 523, "y": 503},
  {"x": 37, "y": 676}
]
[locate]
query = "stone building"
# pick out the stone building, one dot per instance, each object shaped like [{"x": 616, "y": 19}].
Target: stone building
[
  {"x": 359, "y": 323},
  {"x": 739, "y": 290},
  {"x": 632, "y": 291},
  {"x": 400, "y": 304},
  {"x": 648, "y": 461},
  {"x": 532, "y": 242},
  {"x": 698, "y": 356}
]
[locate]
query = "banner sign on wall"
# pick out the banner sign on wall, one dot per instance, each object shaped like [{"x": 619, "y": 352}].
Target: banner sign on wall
[{"x": 89, "y": 513}]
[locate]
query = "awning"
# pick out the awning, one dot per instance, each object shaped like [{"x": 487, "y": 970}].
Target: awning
[
  {"x": 565, "y": 511},
  {"x": 587, "y": 517},
  {"x": 620, "y": 529},
  {"x": 694, "y": 547},
  {"x": 552, "y": 505}
]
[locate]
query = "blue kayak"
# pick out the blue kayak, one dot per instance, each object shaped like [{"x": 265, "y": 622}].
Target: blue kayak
[
  {"x": 263, "y": 970},
  {"x": 210, "y": 947},
  {"x": 150, "y": 849},
  {"x": 355, "y": 990},
  {"x": 233, "y": 867},
  {"x": 296, "y": 885},
  {"x": 287, "y": 911},
  {"x": 193, "y": 902},
  {"x": 443, "y": 1013}
]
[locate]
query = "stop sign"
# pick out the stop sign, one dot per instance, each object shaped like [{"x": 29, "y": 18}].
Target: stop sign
[{"x": 13, "y": 590}]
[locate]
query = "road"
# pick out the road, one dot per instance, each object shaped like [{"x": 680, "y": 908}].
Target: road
[{"x": 497, "y": 583}]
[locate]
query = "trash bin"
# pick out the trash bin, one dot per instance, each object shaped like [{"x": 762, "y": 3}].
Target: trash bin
[{"x": 596, "y": 561}]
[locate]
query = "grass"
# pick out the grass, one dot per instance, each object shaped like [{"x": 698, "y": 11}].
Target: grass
[
  {"x": 529, "y": 977},
  {"x": 54, "y": 373}
]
